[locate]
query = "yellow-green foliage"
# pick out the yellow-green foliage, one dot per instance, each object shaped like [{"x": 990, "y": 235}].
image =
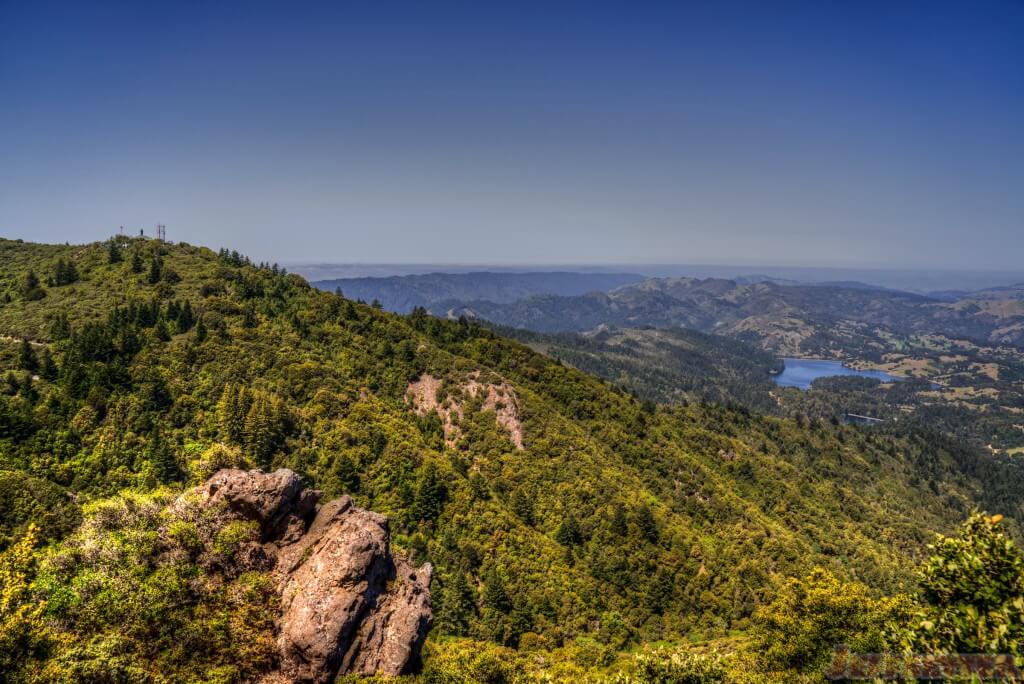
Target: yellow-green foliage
[
  {"x": 618, "y": 523},
  {"x": 24, "y": 638},
  {"x": 139, "y": 594},
  {"x": 972, "y": 588},
  {"x": 798, "y": 631}
]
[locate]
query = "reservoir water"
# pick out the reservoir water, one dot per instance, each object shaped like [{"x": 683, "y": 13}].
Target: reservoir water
[{"x": 802, "y": 372}]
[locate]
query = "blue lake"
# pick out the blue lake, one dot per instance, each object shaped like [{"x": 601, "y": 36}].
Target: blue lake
[{"x": 802, "y": 372}]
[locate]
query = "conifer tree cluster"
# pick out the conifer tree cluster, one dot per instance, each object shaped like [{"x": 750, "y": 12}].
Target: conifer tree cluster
[
  {"x": 65, "y": 272},
  {"x": 253, "y": 419}
]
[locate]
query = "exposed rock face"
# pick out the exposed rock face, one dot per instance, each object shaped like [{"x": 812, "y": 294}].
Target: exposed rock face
[{"x": 347, "y": 605}]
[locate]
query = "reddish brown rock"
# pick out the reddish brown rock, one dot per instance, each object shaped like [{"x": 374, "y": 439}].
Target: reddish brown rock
[{"x": 347, "y": 604}]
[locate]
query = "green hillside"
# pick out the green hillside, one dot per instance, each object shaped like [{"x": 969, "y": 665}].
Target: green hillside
[
  {"x": 667, "y": 365},
  {"x": 150, "y": 365}
]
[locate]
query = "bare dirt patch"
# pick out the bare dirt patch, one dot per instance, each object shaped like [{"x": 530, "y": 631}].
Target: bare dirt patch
[{"x": 431, "y": 394}]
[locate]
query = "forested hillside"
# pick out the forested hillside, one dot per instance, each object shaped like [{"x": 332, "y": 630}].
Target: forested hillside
[
  {"x": 667, "y": 365},
  {"x": 557, "y": 509}
]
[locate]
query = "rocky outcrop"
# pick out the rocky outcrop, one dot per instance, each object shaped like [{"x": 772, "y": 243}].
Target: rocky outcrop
[{"x": 347, "y": 604}]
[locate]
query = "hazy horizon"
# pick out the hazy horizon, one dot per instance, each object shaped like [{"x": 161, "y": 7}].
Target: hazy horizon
[
  {"x": 802, "y": 133},
  {"x": 911, "y": 280}
]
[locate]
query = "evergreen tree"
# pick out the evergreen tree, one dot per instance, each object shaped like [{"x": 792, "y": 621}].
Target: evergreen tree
[
  {"x": 260, "y": 430},
  {"x": 31, "y": 281},
  {"x": 161, "y": 455},
  {"x": 64, "y": 272},
  {"x": 155, "y": 270},
  {"x": 137, "y": 265},
  {"x": 11, "y": 382},
  {"x": 47, "y": 367},
  {"x": 114, "y": 255},
  {"x": 619, "y": 522},
  {"x": 60, "y": 328},
  {"x": 185, "y": 318},
  {"x": 659, "y": 591},
  {"x": 522, "y": 506},
  {"x": 28, "y": 389},
  {"x": 431, "y": 493},
  {"x": 346, "y": 470},
  {"x": 59, "y": 272},
  {"x": 200, "y": 331},
  {"x": 456, "y": 604},
  {"x": 350, "y": 313},
  {"x": 494, "y": 595},
  {"x": 231, "y": 415},
  {"x": 647, "y": 524},
  {"x": 27, "y": 359},
  {"x": 249, "y": 317},
  {"x": 31, "y": 289},
  {"x": 568, "y": 533},
  {"x": 478, "y": 485}
]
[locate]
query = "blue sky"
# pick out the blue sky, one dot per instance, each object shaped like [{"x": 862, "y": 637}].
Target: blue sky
[{"x": 851, "y": 134}]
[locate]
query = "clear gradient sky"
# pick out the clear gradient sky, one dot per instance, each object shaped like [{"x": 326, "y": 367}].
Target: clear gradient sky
[{"x": 853, "y": 133}]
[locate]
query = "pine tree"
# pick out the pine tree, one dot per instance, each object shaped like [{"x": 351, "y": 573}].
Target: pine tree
[
  {"x": 47, "y": 367},
  {"x": 31, "y": 281},
  {"x": 494, "y": 595},
  {"x": 350, "y": 312},
  {"x": 185, "y": 318},
  {"x": 260, "y": 430},
  {"x": 456, "y": 605},
  {"x": 27, "y": 359},
  {"x": 430, "y": 495},
  {"x": 249, "y": 317},
  {"x": 346, "y": 470},
  {"x": 60, "y": 329},
  {"x": 59, "y": 272},
  {"x": 619, "y": 523},
  {"x": 27, "y": 389},
  {"x": 64, "y": 272},
  {"x": 31, "y": 289},
  {"x": 155, "y": 270},
  {"x": 568, "y": 533},
  {"x": 522, "y": 506},
  {"x": 160, "y": 454},
  {"x": 647, "y": 524},
  {"x": 200, "y": 331},
  {"x": 231, "y": 415},
  {"x": 136, "y": 263},
  {"x": 114, "y": 255}
]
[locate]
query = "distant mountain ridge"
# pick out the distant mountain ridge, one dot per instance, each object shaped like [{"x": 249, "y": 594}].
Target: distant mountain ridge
[
  {"x": 402, "y": 294},
  {"x": 787, "y": 319}
]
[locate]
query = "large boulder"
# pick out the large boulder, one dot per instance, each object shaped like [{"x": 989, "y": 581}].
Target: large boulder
[{"x": 347, "y": 604}]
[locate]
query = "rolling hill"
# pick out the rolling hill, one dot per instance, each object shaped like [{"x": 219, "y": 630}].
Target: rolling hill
[{"x": 556, "y": 509}]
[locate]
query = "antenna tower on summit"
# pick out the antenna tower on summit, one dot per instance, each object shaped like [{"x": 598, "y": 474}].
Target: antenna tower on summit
[{"x": 161, "y": 232}]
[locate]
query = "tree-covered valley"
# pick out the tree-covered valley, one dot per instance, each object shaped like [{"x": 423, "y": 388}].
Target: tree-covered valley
[{"x": 575, "y": 530}]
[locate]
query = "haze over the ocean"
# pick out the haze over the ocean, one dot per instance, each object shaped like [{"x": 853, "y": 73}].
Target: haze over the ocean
[{"x": 861, "y": 135}]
